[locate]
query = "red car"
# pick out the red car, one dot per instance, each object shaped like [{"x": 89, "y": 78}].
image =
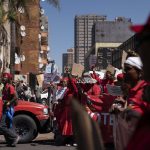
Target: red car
[{"x": 30, "y": 118}]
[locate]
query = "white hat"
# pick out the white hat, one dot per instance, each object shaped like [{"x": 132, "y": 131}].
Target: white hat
[{"x": 135, "y": 62}]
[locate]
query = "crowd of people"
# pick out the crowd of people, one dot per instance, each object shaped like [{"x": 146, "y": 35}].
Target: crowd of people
[
  {"x": 129, "y": 110},
  {"x": 126, "y": 109}
]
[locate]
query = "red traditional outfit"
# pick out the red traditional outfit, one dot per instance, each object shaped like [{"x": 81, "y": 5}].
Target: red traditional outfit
[
  {"x": 91, "y": 100},
  {"x": 135, "y": 97},
  {"x": 126, "y": 125},
  {"x": 63, "y": 110},
  {"x": 141, "y": 137}
]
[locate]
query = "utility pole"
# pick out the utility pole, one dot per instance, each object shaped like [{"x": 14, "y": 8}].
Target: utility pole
[{"x": 12, "y": 48}]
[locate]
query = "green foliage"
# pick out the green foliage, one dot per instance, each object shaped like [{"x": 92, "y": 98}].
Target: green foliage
[{"x": 11, "y": 13}]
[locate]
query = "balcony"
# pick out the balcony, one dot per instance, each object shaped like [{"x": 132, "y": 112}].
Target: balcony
[{"x": 44, "y": 48}]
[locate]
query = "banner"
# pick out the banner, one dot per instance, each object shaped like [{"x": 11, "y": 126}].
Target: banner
[{"x": 77, "y": 70}]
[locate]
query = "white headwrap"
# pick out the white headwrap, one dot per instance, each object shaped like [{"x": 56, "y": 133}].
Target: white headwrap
[{"x": 135, "y": 62}]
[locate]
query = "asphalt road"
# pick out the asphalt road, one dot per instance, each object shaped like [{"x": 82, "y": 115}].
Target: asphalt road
[{"x": 42, "y": 142}]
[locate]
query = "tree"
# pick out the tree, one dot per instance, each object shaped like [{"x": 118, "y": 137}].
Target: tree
[
  {"x": 9, "y": 13},
  {"x": 55, "y": 3}
]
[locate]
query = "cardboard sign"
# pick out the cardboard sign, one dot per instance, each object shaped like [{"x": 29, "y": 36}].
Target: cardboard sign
[
  {"x": 114, "y": 90},
  {"x": 124, "y": 56},
  {"x": 40, "y": 79},
  {"x": 48, "y": 68},
  {"x": 77, "y": 70},
  {"x": 49, "y": 77},
  {"x": 21, "y": 78},
  {"x": 111, "y": 69}
]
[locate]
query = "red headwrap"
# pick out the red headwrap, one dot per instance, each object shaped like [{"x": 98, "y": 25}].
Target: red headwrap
[{"x": 7, "y": 75}]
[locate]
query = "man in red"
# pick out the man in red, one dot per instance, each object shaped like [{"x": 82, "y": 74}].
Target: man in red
[{"x": 9, "y": 100}]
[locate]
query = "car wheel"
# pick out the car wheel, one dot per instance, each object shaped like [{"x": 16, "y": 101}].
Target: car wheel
[{"x": 25, "y": 127}]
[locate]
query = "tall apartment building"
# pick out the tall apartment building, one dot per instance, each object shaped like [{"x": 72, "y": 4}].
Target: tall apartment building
[
  {"x": 84, "y": 35},
  {"x": 28, "y": 39},
  {"x": 67, "y": 59},
  {"x": 31, "y": 39},
  {"x": 44, "y": 48}
]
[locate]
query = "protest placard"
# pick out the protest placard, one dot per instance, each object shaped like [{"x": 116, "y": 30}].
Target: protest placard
[
  {"x": 20, "y": 77},
  {"x": 114, "y": 90},
  {"x": 111, "y": 69},
  {"x": 49, "y": 77},
  {"x": 40, "y": 79},
  {"x": 124, "y": 56},
  {"x": 77, "y": 70}
]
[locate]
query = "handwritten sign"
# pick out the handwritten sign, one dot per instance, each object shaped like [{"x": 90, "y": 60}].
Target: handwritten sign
[
  {"x": 21, "y": 78},
  {"x": 49, "y": 77},
  {"x": 111, "y": 69},
  {"x": 77, "y": 70},
  {"x": 114, "y": 90},
  {"x": 124, "y": 56},
  {"x": 40, "y": 79}
]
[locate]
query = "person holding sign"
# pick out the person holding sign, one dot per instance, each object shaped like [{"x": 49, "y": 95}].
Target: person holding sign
[
  {"x": 107, "y": 99},
  {"x": 65, "y": 94},
  {"x": 141, "y": 138},
  {"x": 135, "y": 104}
]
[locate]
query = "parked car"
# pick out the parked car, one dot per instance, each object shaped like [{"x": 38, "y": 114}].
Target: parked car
[{"x": 30, "y": 118}]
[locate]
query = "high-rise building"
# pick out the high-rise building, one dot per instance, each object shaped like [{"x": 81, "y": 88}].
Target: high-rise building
[
  {"x": 84, "y": 35},
  {"x": 67, "y": 59},
  {"x": 108, "y": 36}
]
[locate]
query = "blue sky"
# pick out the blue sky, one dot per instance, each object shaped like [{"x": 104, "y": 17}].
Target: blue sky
[{"x": 61, "y": 23}]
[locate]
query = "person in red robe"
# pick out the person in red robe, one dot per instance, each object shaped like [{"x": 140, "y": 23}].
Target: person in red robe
[
  {"x": 128, "y": 118},
  {"x": 90, "y": 96},
  {"x": 141, "y": 137},
  {"x": 63, "y": 110}
]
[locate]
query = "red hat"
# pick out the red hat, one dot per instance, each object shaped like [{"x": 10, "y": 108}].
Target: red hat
[
  {"x": 140, "y": 28},
  {"x": 120, "y": 76},
  {"x": 7, "y": 75}
]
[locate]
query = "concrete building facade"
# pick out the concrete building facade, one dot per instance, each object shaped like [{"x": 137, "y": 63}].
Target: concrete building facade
[
  {"x": 108, "y": 36},
  {"x": 28, "y": 38},
  {"x": 43, "y": 38},
  {"x": 67, "y": 59},
  {"x": 129, "y": 44}
]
